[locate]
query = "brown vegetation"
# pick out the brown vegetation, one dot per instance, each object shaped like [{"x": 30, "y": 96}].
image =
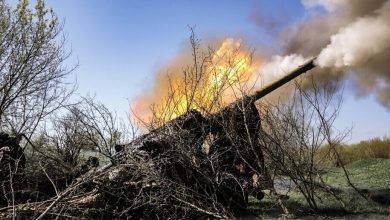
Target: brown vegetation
[{"x": 372, "y": 148}]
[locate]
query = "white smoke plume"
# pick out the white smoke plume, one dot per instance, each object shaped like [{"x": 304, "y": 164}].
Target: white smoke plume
[
  {"x": 276, "y": 68},
  {"x": 359, "y": 41},
  {"x": 351, "y": 36}
]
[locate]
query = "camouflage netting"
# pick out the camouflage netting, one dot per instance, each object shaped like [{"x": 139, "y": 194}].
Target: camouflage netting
[{"x": 167, "y": 172}]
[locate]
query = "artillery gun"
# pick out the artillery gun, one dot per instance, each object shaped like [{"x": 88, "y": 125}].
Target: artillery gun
[
  {"x": 231, "y": 136},
  {"x": 167, "y": 169}
]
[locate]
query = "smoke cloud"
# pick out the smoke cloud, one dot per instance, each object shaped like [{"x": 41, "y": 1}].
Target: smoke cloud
[
  {"x": 359, "y": 41},
  {"x": 276, "y": 68},
  {"x": 351, "y": 36}
]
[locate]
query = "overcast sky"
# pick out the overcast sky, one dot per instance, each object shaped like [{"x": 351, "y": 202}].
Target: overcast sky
[{"x": 120, "y": 44}]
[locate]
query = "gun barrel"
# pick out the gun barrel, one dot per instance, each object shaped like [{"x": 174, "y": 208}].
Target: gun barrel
[{"x": 270, "y": 88}]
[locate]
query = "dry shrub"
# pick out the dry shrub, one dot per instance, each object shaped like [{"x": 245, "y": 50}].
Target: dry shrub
[{"x": 372, "y": 148}]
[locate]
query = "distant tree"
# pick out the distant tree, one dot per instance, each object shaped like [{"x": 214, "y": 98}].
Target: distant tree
[
  {"x": 33, "y": 74},
  {"x": 88, "y": 126},
  {"x": 65, "y": 138},
  {"x": 100, "y": 128}
]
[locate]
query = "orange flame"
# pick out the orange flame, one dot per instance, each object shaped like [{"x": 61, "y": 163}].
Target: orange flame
[{"x": 217, "y": 81}]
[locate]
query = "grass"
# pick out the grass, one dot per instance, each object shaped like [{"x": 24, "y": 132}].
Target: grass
[
  {"x": 354, "y": 207},
  {"x": 368, "y": 166},
  {"x": 370, "y": 173}
]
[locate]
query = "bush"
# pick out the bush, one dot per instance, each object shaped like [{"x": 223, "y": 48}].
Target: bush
[{"x": 372, "y": 148}]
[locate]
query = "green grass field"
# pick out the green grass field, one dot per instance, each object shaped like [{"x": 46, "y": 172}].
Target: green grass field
[
  {"x": 363, "y": 173},
  {"x": 369, "y": 173}
]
